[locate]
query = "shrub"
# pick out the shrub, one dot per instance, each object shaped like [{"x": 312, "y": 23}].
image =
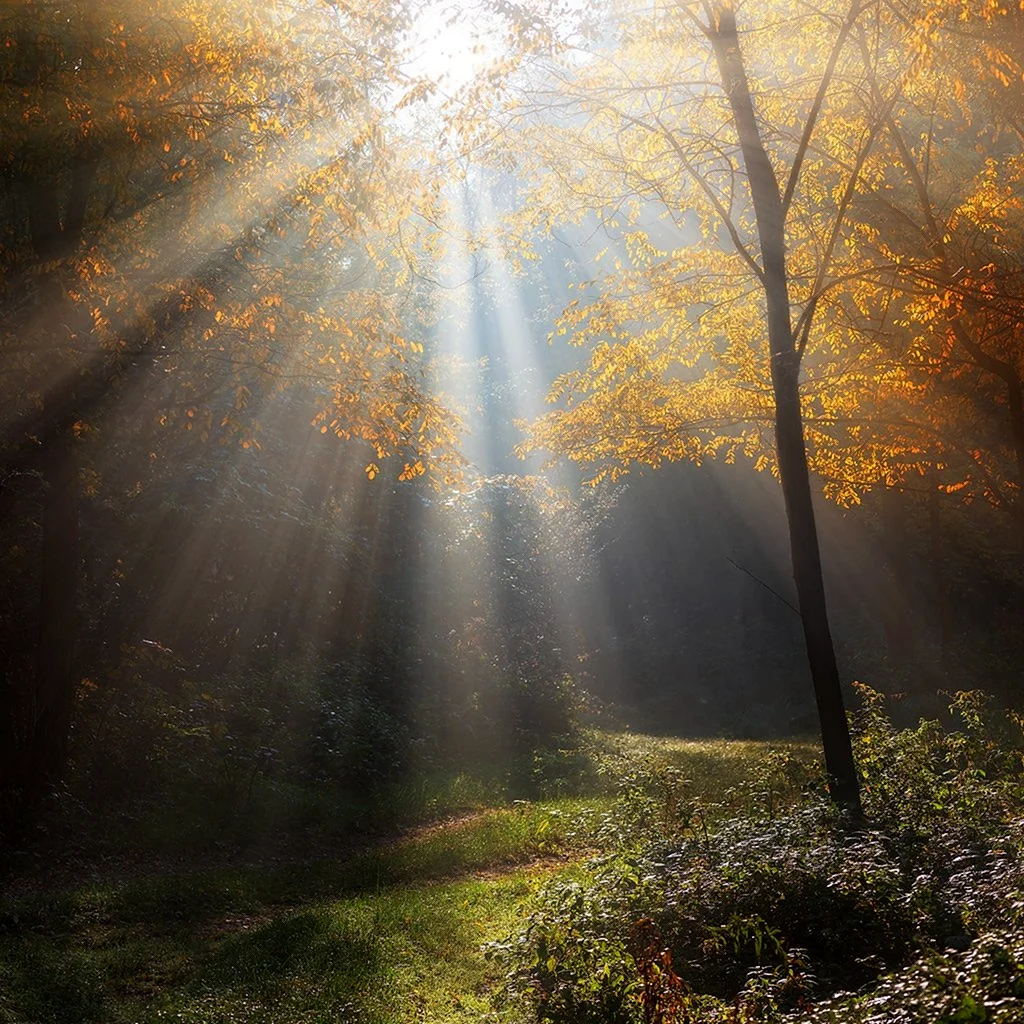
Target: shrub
[{"x": 682, "y": 919}]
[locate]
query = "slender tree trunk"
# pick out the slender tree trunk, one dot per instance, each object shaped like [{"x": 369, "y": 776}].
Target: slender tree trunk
[
  {"x": 940, "y": 600},
  {"x": 58, "y": 600},
  {"x": 844, "y": 786},
  {"x": 36, "y": 708},
  {"x": 46, "y": 701}
]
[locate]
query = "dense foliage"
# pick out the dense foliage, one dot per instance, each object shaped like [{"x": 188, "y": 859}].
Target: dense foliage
[
  {"x": 255, "y": 574},
  {"x": 789, "y": 910},
  {"x": 367, "y": 705}
]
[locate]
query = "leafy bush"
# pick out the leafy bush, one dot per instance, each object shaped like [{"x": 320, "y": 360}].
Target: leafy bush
[
  {"x": 982, "y": 985},
  {"x": 689, "y": 917},
  {"x": 317, "y": 748},
  {"x": 920, "y": 782},
  {"x": 355, "y": 740}
]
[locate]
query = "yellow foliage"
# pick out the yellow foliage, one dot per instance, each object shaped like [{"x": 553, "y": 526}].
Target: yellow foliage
[
  {"x": 637, "y": 137},
  {"x": 223, "y": 133}
]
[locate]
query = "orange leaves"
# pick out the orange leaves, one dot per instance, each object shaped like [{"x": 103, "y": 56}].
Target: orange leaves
[
  {"x": 236, "y": 130},
  {"x": 674, "y": 317}
]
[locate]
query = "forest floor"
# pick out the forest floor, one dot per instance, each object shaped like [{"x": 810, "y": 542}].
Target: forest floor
[{"x": 392, "y": 933}]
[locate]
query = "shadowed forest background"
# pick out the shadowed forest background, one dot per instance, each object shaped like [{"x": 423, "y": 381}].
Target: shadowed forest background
[{"x": 428, "y": 416}]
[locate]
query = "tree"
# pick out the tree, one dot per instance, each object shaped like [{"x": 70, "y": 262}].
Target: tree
[
  {"x": 721, "y": 164},
  {"x": 769, "y": 205},
  {"x": 940, "y": 228},
  {"x": 197, "y": 209}
]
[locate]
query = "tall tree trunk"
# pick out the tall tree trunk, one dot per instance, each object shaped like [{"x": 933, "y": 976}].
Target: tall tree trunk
[
  {"x": 940, "y": 599},
  {"x": 58, "y": 601},
  {"x": 46, "y": 701},
  {"x": 844, "y": 786}
]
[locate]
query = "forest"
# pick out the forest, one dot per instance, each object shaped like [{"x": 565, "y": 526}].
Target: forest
[{"x": 512, "y": 511}]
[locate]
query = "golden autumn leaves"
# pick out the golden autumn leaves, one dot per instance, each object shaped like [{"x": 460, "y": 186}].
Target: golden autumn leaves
[
  {"x": 245, "y": 187},
  {"x": 903, "y": 240},
  {"x": 263, "y": 137}
]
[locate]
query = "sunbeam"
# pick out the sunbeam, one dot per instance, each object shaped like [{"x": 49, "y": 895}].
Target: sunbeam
[{"x": 511, "y": 510}]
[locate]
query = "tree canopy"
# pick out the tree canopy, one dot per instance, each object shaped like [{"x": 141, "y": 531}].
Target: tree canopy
[{"x": 867, "y": 119}]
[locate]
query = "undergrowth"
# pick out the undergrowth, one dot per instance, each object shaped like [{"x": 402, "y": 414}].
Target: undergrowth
[
  {"x": 391, "y": 934},
  {"x": 697, "y": 911},
  {"x": 689, "y": 883}
]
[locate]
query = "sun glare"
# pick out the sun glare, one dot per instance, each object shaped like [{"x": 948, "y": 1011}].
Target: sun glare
[{"x": 450, "y": 42}]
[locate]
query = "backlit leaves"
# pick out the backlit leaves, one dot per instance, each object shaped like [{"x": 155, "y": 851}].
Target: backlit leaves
[
  {"x": 247, "y": 183},
  {"x": 635, "y": 142}
]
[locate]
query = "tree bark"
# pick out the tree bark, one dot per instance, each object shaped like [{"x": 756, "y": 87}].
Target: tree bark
[
  {"x": 844, "y": 786},
  {"x": 45, "y": 704},
  {"x": 58, "y": 601}
]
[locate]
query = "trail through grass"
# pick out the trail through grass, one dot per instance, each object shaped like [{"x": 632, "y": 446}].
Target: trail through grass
[{"x": 390, "y": 935}]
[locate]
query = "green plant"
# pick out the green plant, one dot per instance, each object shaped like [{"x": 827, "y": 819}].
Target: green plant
[{"x": 693, "y": 915}]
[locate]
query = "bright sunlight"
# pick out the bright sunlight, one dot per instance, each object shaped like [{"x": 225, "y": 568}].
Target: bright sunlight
[{"x": 511, "y": 512}]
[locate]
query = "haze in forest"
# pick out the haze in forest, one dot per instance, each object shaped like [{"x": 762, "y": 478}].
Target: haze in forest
[{"x": 387, "y": 385}]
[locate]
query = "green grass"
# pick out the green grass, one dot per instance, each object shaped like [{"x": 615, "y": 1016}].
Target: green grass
[
  {"x": 393, "y": 934},
  {"x": 195, "y": 822},
  {"x": 404, "y": 953},
  {"x": 716, "y": 771}
]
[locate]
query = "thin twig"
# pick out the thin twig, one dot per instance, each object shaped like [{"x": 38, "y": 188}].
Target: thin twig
[{"x": 770, "y": 589}]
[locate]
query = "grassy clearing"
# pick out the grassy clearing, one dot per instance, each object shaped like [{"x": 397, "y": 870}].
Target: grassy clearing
[
  {"x": 393, "y": 934},
  {"x": 712, "y": 768},
  {"x": 381, "y": 937}
]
